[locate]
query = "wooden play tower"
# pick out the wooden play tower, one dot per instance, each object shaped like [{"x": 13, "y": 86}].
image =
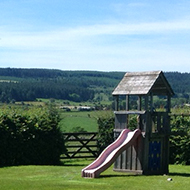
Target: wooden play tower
[{"x": 150, "y": 154}]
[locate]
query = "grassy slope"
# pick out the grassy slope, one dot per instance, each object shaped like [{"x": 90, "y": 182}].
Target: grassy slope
[{"x": 69, "y": 177}]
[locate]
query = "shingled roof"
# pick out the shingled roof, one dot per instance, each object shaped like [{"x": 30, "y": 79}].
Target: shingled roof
[{"x": 143, "y": 83}]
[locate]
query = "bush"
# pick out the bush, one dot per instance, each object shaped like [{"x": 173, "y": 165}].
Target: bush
[
  {"x": 105, "y": 132},
  {"x": 30, "y": 137},
  {"x": 180, "y": 140}
]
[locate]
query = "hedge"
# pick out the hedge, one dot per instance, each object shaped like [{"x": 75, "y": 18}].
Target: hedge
[
  {"x": 105, "y": 132},
  {"x": 30, "y": 137},
  {"x": 180, "y": 140}
]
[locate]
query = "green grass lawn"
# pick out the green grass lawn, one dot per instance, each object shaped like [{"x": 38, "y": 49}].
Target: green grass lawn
[{"x": 68, "y": 177}]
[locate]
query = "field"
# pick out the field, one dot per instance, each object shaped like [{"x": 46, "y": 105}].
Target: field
[
  {"x": 86, "y": 120},
  {"x": 69, "y": 177}
]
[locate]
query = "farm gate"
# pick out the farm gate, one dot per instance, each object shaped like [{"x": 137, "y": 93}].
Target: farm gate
[{"x": 81, "y": 145}]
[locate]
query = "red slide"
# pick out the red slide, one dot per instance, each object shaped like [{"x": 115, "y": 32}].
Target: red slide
[{"x": 110, "y": 154}]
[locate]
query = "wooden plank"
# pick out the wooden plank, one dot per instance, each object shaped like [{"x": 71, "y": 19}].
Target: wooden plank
[
  {"x": 139, "y": 103},
  {"x": 118, "y": 163},
  {"x": 139, "y": 152},
  {"x": 76, "y": 140},
  {"x": 77, "y": 146},
  {"x": 123, "y": 160},
  {"x": 116, "y": 103},
  {"x": 121, "y": 121},
  {"x": 76, "y": 157},
  {"x": 81, "y": 152},
  {"x": 134, "y": 157},
  {"x": 127, "y": 102},
  {"x": 159, "y": 122},
  {"x": 128, "y": 164}
]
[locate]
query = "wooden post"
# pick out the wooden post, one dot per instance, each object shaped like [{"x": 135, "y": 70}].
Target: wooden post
[
  {"x": 168, "y": 103},
  {"x": 151, "y": 102},
  {"x": 127, "y": 102},
  {"x": 139, "y": 103},
  {"x": 116, "y": 103},
  {"x": 146, "y": 102},
  {"x": 146, "y": 143}
]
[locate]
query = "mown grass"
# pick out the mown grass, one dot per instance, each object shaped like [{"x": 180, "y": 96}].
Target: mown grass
[{"x": 68, "y": 177}]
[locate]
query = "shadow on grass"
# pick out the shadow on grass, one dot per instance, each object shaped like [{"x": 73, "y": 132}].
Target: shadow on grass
[
  {"x": 179, "y": 174},
  {"x": 74, "y": 164},
  {"x": 119, "y": 175},
  {"x": 133, "y": 175}
]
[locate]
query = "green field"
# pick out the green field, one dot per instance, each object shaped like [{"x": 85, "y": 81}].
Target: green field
[
  {"x": 86, "y": 120},
  {"x": 69, "y": 177}
]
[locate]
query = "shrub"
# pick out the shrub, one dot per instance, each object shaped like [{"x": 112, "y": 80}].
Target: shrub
[
  {"x": 30, "y": 137},
  {"x": 105, "y": 132},
  {"x": 180, "y": 140}
]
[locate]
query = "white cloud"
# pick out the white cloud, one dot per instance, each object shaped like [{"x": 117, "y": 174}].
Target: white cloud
[
  {"x": 67, "y": 36},
  {"x": 91, "y": 47}
]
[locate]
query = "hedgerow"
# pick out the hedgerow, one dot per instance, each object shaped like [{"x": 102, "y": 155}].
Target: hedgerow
[{"x": 30, "y": 136}]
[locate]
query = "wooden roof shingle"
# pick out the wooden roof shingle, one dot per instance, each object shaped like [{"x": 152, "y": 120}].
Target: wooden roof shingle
[{"x": 143, "y": 83}]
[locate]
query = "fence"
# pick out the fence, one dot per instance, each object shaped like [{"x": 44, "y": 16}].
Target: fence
[{"x": 81, "y": 145}]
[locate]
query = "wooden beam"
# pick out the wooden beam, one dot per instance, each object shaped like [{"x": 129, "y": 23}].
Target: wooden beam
[
  {"x": 151, "y": 102},
  {"x": 139, "y": 103},
  {"x": 146, "y": 102},
  {"x": 168, "y": 103},
  {"x": 127, "y": 102},
  {"x": 116, "y": 103}
]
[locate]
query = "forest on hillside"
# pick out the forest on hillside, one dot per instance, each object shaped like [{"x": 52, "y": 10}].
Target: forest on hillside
[{"x": 29, "y": 84}]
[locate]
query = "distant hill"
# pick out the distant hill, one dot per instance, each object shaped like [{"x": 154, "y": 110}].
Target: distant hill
[{"x": 28, "y": 84}]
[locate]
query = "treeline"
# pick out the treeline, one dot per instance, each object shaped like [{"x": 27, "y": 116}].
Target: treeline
[
  {"x": 30, "y": 90},
  {"x": 29, "y": 84},
  {"x": 180, "y": 83},
  {"x": 53, "y": 73}
]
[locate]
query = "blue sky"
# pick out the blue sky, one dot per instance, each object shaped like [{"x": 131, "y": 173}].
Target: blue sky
[{"x": 101, "y": 35}]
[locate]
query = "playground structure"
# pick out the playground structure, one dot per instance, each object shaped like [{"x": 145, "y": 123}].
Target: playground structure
[
  {"x": 147, "y": 152},
  {"x": 109, "y": 155}
]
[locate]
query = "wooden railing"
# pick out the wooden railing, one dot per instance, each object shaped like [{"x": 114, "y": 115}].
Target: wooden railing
[{"x": 81, "y": 145}]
